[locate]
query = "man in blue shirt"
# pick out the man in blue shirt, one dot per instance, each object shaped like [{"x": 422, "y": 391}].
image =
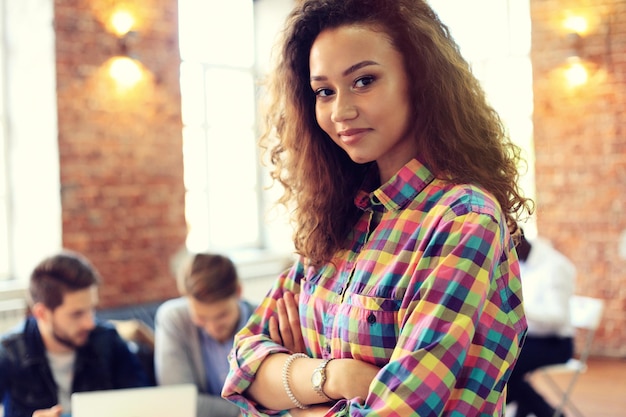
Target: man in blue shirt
[
  {"x": 61, "y": 349},
  {"x": 194, "y": 333}
]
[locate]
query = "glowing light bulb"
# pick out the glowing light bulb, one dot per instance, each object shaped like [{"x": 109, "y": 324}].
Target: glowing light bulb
[
  {"x": 122, "y": 22},
  {"x": 576, "y": 24},
  {"x": 576, "y": 73},
  {"x": 125, "y": 71}
]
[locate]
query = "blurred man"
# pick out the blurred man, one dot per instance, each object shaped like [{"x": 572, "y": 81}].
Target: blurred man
[
  {"x": 548, "y": 279},
  {"x": 194, "y": 333},
  {"x": 61, "y": 349}
]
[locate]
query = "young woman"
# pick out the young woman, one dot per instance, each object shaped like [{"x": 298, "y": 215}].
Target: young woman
[{"x": 404, "y": 193}]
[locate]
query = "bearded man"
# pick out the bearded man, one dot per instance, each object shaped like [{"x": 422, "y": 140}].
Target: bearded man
[{"x": 60, "y": 348}]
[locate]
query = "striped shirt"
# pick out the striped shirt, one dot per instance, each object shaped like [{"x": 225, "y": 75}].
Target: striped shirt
[{"x": 428, "y": 289}]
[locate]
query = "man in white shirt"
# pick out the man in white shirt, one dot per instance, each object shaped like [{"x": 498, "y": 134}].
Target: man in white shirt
[{"x": 548, "y": 279}]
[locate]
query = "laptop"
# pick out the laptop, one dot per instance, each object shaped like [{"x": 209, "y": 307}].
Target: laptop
[{"x": 159, "y": 401}]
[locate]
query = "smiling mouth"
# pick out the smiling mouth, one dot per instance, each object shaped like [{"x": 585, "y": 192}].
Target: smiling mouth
[{"x": 352, "y": 135}]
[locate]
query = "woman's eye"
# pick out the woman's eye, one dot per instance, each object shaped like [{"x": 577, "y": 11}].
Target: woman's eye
[
  {"x": 363, "y": 81},
  {"x": 323, "y": 92}
]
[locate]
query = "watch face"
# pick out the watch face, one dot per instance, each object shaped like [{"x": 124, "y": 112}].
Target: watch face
[{"x": 316, "y": 378}]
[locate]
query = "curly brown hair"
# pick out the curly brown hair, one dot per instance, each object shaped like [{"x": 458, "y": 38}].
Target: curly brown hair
[{"x": 460, "y": 137}]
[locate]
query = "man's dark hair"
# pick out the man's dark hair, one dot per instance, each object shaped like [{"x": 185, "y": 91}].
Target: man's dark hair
[{"x": 60, "y": 274}]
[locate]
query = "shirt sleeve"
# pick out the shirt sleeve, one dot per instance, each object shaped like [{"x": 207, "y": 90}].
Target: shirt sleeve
[
  {"x": 252, "y": 345},
  {"x": 172, "y": 355},
  {"x": 460, "y": 327}
]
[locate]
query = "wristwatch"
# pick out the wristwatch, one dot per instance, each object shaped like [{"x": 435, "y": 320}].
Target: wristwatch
[{"x": 318, "y": 378}]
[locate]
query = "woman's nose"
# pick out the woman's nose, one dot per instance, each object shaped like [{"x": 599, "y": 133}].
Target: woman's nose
[{"x": 344, "y": 108}]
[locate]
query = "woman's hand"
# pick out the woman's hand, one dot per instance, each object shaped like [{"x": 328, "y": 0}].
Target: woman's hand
[
  {"x": 346, "y": 378},
  {"x": 285, "y": 329}
]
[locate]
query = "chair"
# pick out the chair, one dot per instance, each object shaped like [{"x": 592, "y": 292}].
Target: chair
[{"x": 585, "y": 317}]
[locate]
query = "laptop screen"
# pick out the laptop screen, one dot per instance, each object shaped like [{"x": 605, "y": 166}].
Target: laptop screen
[{"x": 160, "y": 401}]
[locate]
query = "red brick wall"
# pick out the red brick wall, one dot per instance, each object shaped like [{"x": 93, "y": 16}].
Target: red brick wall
[
  {"x": 121, "y": 151},
  {"x": 580, "y": 145}
]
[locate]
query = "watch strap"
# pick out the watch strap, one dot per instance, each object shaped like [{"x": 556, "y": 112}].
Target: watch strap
[{"x": 321, "y": 368}]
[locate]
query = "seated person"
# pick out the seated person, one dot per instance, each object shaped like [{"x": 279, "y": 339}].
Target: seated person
[
  {"x": 547, "y": 285},
  {"x": 61, "y": 349},
  {"x": 194, "y": 333}
]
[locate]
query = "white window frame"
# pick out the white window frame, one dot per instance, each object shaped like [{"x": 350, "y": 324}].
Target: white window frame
[
  {"x": 29, "y": 125},
  {"x": 272, "y": 233},
  {"x": 495, "y": 38}
]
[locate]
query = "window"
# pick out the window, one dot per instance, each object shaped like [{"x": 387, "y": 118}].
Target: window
[
  {"x": 494, "y": 36},
  {"x": 30, "y": 206},
  {"x": 219, "y": 137},
  {"x": 224, "y": 204},
  {"x": 5, "y": 258}
]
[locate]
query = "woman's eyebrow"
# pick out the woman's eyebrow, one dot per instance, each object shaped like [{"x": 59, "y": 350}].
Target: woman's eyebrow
[
  {"x": 348, "y": 71},
  {"x": 358, "y": 66}
]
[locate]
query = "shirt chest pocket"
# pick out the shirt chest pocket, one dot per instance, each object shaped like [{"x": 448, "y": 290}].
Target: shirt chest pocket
[{"x": 367, "y": 327}]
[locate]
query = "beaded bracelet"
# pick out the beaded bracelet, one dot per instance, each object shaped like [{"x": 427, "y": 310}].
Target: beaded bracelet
[{"x": 285, "y": 376}]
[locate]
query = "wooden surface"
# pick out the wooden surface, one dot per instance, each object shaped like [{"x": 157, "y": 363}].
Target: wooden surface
[{"x": 599, "y": 392}]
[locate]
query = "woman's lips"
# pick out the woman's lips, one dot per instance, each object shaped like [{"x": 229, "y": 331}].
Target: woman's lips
[{"x": 349, "y": 136}]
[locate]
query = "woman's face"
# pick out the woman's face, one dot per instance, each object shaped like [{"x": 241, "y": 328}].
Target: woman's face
[{"x": 362, "y": 97}]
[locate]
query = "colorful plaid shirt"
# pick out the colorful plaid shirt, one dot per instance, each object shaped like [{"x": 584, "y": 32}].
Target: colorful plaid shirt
[{"x": 428, "y": 290}]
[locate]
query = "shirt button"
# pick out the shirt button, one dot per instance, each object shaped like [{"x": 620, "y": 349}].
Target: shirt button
[{"x": 371, "y": 319}]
